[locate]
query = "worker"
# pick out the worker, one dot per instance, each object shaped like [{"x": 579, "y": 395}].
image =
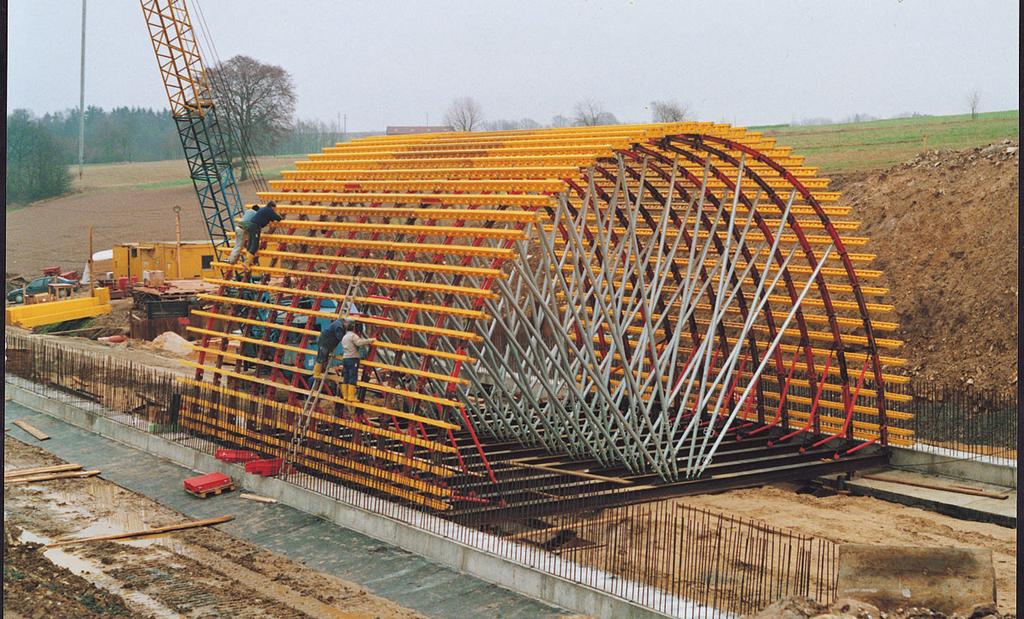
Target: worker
[
  {"x": 351, "y": 343},
  {"x": 241, "y": 233},
  {"x": 245, "y": 230},
  {"x": 254, "y": 239},
  {"x": 345, "y": 332}
]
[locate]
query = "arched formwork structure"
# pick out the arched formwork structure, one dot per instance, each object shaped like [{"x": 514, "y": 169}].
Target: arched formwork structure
[{"x": 636, "y": 296}]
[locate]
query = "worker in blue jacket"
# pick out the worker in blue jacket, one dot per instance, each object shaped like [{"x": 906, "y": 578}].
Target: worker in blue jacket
[{"x": 248, "y": 229}]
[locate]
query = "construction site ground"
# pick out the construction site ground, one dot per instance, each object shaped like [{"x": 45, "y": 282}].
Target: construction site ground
[
  {"x": 867, "y": 520},
  {"x": 270, "y": 561}
]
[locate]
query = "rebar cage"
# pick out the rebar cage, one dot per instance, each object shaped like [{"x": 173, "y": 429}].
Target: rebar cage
[{"x": 638, "y": 296}]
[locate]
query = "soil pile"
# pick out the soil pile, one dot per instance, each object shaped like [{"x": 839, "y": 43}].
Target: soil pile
[{"x": 944, "y": 228}]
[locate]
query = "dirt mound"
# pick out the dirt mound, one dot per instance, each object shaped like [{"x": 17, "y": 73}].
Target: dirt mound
[{"x": 944, "y": 227}]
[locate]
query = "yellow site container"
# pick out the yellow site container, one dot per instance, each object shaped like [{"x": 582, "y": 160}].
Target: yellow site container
[{"x": 131, "y": 259}]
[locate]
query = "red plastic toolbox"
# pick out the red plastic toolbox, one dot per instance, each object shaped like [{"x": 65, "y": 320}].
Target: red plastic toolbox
[
  {"x": 206, "y": 483},
  {"x": 236, "y": 455}
]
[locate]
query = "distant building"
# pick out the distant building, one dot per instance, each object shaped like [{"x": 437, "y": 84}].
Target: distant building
[{"x": 405, "y": 130}]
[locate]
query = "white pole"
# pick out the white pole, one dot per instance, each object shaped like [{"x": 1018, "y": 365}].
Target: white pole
[{"x": 81, "y": 102}]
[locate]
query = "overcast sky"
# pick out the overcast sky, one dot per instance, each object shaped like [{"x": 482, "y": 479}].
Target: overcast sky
[{"x": 389, "y": 62}]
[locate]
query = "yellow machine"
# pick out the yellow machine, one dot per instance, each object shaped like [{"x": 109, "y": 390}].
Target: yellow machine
[
  {"x": 52, "y": 312},
  {"x": 196, "y": 259}
]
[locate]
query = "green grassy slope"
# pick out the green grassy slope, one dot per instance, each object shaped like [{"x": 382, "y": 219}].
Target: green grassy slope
[{"x": 882, "y": 143}]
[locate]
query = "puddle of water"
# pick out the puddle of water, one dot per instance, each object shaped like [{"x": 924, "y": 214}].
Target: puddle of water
[{"x": 94, "y": 573}]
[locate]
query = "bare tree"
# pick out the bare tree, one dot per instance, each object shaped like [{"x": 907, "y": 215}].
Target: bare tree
[
  {"x": 529, "y": 123},
  {"x": 668, "y": 111},
  {"x": 558, "y": 121},
  {"x": 258, "y": 101},
  {"x": 587, "y": 113},
  {"x": 464, "y": 114},
  {"x": 972, "y": 102}
]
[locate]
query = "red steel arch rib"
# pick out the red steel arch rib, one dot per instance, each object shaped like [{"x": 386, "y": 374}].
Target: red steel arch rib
[{"x": 632, "y": 295}]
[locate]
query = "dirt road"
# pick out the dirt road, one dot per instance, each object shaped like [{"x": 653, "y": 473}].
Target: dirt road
[{"x": 200, "y": 572}]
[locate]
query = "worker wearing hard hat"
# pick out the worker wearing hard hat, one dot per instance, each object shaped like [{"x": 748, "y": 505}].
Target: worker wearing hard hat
[{"x": 249, "y": 228}]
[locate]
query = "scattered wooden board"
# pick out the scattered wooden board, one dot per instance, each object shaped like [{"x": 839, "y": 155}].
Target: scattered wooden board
[
  {"x": 256, "y": 497},
  {"x": 957, "y": 489},
  {"x": 56, "y": 468},
  {"x": 154, "y": 531},
  {"x": 51, "y": 476},
  {"x": 34, "y": 431}
]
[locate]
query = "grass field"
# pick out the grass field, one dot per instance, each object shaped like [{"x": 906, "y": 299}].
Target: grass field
[
  {"x": 156, "y": 174},
  {"x": 879, "y": 144}
]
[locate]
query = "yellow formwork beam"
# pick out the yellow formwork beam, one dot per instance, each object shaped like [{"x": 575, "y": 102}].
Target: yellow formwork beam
[
  {"x": 504, "y": 234},
  {"x": 401, "y": 284},
  {"x": 381, "y": 322},
  {"x": 416, "y": 395},
  {"x": 528, "y": 201},
  {"x": 843, "y": 321},
  {"x": 440, "y": 173},
  {"x": 754, "y": 235},
  {"x": 398, "y": 265},
  {"x": 372, "y": 408},
  {"x": 418, "y": 248},
  {"x": 440, "y": 354},
  {"x": 376, "y": 300},
  {"x": 342, "y": 421},
  {"x": 465, "y": 162},
  {"x": 307, "y": 458},
  {"x": 413, "y": 212},
  {"x": 383, "y": 454}
]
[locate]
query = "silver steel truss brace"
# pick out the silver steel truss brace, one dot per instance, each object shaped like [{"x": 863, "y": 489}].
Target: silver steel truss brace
[{"x": 592, "y": 352}]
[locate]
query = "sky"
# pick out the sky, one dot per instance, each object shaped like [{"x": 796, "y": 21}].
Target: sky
[{"x": 384, "y": 62}]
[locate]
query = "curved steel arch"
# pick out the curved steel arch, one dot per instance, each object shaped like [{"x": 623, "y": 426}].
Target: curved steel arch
[{"x": 524, "y": 287}]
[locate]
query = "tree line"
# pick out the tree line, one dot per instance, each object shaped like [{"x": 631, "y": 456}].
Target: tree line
[{"x": 465, "y": 114}]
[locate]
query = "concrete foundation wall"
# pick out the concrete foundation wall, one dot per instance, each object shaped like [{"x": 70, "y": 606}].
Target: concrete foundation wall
[
  {"x": 503, "y": 571},
  {"x": 947, "y": 463}
]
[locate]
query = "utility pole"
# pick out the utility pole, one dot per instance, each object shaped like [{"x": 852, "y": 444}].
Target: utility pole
[
  {"x": 92, "y": 268},
  {"x": 81, "y": 102},
  {"x": 177, "y": 240},
  {"x": 344, "y": 128}
]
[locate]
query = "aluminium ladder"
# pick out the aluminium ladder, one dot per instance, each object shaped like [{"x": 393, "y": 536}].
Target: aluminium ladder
[{"x": 302, "y": 423}]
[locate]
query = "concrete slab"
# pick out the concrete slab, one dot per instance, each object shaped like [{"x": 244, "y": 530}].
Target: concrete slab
[
  {"x": 898, "y": 487},
  {"x": 944, "y": 462},
  {"x": 947, "y": 580},
  {"x": 386, "y": 570}
]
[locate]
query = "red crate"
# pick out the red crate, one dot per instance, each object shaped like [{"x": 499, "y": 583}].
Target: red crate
[
  {"x": 204, "y": 484},
  {"x": 236, "y": 455},
  {"x": 268, "y": 467}
]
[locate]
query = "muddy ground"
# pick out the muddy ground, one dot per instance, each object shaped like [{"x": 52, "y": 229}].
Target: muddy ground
[{"x": 199, "y": 572}]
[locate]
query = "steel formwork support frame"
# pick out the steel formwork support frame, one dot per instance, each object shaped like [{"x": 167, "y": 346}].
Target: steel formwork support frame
[{"x": 623, "y": 312}]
